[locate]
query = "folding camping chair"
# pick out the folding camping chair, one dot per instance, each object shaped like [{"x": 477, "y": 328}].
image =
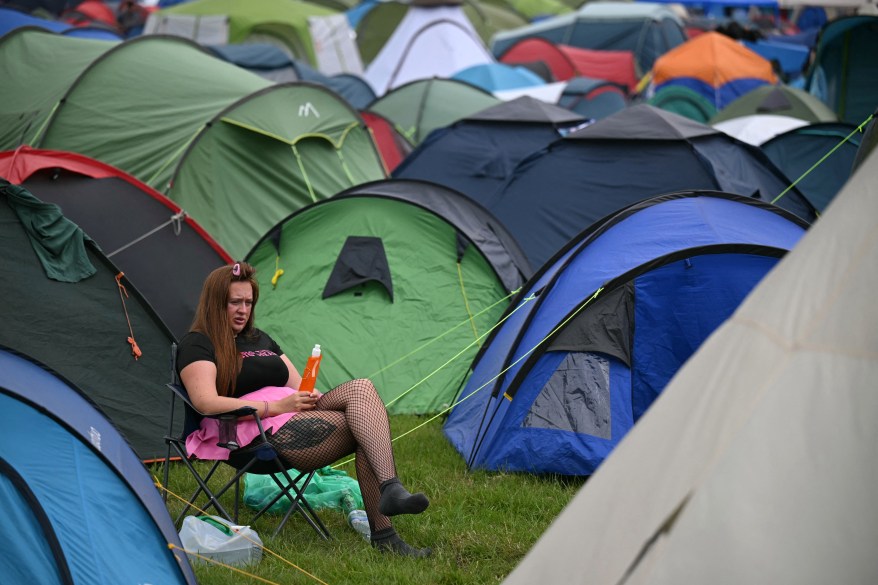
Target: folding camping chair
[{"x": 258, "y": 458}]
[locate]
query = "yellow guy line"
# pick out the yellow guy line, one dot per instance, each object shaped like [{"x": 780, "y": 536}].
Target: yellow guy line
[
  {"x": 500, "y": 373},
  {"x": 510, "y": 366},
  {"x": 159, "y": 485},
  {"x": 466, "y": 301},
  {"x": 825, "y": 156},
  {"x": 438, "y": 337},
  {"x": 215, "y": 562},
  {"x": 461, "y": 352}
]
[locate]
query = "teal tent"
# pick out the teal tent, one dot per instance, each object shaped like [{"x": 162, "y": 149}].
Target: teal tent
[{"x": 844, "y": 72}]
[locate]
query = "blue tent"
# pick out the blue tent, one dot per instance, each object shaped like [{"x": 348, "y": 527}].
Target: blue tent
[
  {"x": 79, "y": 506},
  {"x": 498, "y": 76},
  {"x": 796, "y": 151},
  {"x": 792, "y": 57},
  {"x": 594, "y": 336},
  {"x": 13, "y": 19},
  {"x": 477, "y": 154},
  {"x": 634, "y": 154}
]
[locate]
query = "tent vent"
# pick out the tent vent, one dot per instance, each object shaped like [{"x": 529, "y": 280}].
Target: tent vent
[{"x": 361, "y": 259}]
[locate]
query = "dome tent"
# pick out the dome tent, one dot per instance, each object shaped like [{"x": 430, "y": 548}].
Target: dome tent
[
  {"x": 596, "y": 334},
  {"x": 70, "y": 486},
  {"x": 224, "y": 132},
  {"x": 141, "y": 230},
  {"x": 382, "y": 269},
  {"x": 622, "y": 159},
  {"x": 67, "y": 308}
]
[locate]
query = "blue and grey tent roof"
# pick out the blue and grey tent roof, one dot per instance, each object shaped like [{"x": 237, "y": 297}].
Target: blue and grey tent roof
[
  {"x": 517, "y": 360},
  {"x": 74, "y": 486}
]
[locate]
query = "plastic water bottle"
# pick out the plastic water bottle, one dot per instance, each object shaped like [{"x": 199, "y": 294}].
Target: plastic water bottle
[
  {"x": 360, "y": 523},
  {"x": 356, "y": 518}
]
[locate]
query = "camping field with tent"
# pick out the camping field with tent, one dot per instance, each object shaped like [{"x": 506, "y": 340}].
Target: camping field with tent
[{"x": 609, "y": 265}]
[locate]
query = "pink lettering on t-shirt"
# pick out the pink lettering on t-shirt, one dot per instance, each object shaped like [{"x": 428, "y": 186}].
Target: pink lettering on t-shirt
[{"x": 257, "y": 353}]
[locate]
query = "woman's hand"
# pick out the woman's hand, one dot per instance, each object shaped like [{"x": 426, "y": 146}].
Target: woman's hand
[{"x": 295, "y": 402}]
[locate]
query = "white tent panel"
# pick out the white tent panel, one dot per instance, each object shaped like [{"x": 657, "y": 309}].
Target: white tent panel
[{"x": 428, "y": 42}]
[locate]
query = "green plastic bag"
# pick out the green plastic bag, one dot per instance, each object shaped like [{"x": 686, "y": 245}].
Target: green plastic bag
[{"x": 326, "y": 490}]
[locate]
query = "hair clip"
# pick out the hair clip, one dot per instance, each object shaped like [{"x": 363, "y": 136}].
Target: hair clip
[{"x": 236, "y": 269}]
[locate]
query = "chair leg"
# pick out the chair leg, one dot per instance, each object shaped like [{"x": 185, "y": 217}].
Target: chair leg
[{"x": 212, "y": 498}]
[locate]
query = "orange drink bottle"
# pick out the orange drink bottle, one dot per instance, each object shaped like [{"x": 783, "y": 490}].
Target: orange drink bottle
[{"x": 309, "y": 376}]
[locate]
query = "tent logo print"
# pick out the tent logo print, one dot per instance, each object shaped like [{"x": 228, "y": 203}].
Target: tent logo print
[
  {"x": 95, "y": 437},
  {"x": 307, "y": 109}
]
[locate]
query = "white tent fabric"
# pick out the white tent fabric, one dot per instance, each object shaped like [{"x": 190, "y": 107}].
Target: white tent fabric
[
  {"x": 434, "y": 41},
  {"x": 203, "y": 29},
  {"x": 756, "y": 464},
  {"x": 757, "y": 129},
  {"x": 549, "y": 92},
  {"x": 334, "y": 45}
]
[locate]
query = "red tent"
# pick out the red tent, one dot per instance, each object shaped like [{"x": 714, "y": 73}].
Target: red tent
[{"x": 567, "y": 62}]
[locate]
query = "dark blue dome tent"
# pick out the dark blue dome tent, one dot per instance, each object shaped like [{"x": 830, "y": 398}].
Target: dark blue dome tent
[
  {"x": 477, "y": 154},
  {"x": 79, "y": 506},
  {"x": 594, "y": 336}
]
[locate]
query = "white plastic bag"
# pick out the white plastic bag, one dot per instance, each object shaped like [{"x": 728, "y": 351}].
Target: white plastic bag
[{"x": 220, "y": 540}]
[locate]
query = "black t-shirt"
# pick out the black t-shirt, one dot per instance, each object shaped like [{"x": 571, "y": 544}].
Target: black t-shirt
[{"x": 261, "y": 364}]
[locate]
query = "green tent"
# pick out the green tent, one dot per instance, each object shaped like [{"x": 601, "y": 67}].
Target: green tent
[
  {"x": 38, "y": 66},
  {"x": 778, "y": 100},
  {"x": 399, "y": 281},
  {"x": 281, "y": 22},
  {"x": 236, "y": 151},
  {"x": 685, "y": 102},
  {"x": 419, "y": 107}
]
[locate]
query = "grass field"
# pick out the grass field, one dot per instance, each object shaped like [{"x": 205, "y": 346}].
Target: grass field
[{"x": 479, "y": 524}]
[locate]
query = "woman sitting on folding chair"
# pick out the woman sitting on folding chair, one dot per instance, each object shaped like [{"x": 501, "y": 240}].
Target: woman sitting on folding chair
[{"x": 224, "y": 357}]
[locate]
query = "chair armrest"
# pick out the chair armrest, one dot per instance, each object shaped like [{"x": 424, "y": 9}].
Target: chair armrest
[{"x": 184, "y": 396}]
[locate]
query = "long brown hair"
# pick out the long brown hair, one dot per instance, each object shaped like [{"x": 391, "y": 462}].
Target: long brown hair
[{"x": 212, "y": 320}]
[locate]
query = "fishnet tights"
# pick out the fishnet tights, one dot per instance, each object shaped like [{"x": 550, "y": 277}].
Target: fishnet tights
[{"x": 350, "y": 418}]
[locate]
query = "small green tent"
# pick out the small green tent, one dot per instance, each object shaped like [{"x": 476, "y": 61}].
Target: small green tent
[
  {"x": 778, "y": 100},
  {"x": 399, "y": 281},
  {"x": 421, "y": 106}
]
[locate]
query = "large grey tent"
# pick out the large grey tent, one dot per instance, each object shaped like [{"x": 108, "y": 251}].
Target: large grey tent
[{"x": 756, "y": 464}]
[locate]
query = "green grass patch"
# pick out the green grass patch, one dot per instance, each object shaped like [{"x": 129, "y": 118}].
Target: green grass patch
[{"x": 479, "y": 524}]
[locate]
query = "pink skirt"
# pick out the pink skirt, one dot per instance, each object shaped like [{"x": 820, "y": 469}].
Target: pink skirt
[{"x": 203, "y": 442}]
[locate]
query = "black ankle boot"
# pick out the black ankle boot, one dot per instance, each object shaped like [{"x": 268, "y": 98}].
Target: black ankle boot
[{"x": 388, "y": 541}]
